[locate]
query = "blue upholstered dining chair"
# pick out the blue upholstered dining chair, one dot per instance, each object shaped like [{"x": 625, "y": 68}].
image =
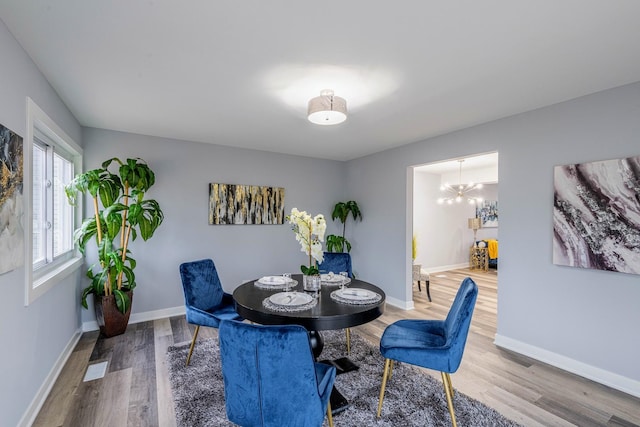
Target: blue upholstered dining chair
[
  {"x": 337, "y": 262},
  {"x": 271, "y": 378},
  {"x": 432, "y": 344},
  {"x": 206, "y": 302}
]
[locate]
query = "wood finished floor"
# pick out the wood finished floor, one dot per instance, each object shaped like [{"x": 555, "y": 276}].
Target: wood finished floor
[{"x": 135, "y": 391}]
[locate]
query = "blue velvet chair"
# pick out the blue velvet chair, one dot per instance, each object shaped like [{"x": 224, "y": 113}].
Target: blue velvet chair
[
  {"x": 271, "y": 378},
  {"x": 432, "y": 344},
  {"x": 337, "y": 262},
  {"x": 206, "y": 302}
]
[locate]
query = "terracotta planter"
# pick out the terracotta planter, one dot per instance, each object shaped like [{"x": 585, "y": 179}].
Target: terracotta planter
[{"x": 111, "y": 321}]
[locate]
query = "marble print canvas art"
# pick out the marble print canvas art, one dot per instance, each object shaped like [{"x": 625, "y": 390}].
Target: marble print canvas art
[
  {"x": 245, "y": 204},
  {"x": 11, "y": 201},
  {"x": 596, "y": 215}
]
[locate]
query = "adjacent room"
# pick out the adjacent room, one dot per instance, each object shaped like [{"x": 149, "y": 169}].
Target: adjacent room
[{"x": 431, "y": 207}]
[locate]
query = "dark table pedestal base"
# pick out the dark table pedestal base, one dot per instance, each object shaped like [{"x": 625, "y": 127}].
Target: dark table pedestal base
[
  {"x": 343, "y": 365},
  {"x": 317, "y": 343},
  {"x": 338, "y": 402}
]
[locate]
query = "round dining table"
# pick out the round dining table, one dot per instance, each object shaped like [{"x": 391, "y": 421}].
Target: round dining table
[{"x": 327, "y": 314}]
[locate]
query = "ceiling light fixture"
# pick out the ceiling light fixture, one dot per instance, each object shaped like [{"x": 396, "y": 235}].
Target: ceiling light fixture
[
  {"x": 327, "y": 109},
  {"x": 460, "y": 191}
]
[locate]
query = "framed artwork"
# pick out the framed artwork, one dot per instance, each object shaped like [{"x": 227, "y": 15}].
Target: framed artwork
[
  {"x": 487, "y": 211},
  {"x": 11, "y": 201},
  {"x": 245, "y": 204},
  {"x": 596, "y": 215}
]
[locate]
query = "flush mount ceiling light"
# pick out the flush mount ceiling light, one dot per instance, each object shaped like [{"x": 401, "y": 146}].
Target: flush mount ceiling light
[
  {"x": 327, "y": 109},
  {"x": 460, "y": 191}
]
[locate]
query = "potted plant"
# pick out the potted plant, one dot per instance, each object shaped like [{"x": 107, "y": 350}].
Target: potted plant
[
  {"x": 120, "y": 213},
  {"x": 310, "y": 234},
  {"x": 341, "y": 211}
]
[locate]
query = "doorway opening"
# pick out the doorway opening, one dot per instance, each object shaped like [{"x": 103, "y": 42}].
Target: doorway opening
[{"x": 446, "y": 236}]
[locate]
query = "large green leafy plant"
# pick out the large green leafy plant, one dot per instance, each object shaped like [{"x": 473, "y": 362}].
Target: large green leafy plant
[
  {"x": 120, "y": 213},
  {"x": 341, "y": 211}
]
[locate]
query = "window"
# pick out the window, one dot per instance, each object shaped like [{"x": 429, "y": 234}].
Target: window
[
  {"x": 52, "y": 216},
  {"x": 51, "y": 159}
]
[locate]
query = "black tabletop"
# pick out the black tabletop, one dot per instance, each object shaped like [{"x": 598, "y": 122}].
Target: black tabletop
[{"x": 326, "y": 315}]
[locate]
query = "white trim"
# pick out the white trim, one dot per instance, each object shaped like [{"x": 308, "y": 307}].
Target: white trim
[
  {"x": 39, "y": 121},
  {"x": 611, "y": 379},
  {"x": 41, "y": 396},
  {"x": 45, "y": 282},
  {"x": 405, "y": 305},
  {"x": 92, "y": 325},
  {"x": 441, "y": 268}
]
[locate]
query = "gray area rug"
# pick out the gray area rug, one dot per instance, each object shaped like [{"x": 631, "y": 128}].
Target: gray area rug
[{"x": 412, "y": 398}]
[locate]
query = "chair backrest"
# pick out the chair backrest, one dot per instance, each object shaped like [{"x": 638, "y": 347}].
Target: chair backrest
[
  {"x": 415, "y": 271},
  {"x": 458, "y": 320},
  {"x": 336, "y": 262},
  {"x": 201, "y": 284},
  {"x": 269, "y": 375}
]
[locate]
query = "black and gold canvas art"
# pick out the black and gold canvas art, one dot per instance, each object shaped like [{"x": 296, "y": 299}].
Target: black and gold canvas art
[{"x": 245, "y": 204}]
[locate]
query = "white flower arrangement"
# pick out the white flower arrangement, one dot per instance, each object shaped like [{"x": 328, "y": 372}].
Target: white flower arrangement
[{"x": 310, "y": 234}]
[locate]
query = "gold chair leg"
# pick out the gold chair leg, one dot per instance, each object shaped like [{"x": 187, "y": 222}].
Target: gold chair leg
[
  {"x": 393, "y": 362},
  {"x": 448, "y": 390},
  {"x": 450, "y": 384},
  {"x": 329, "y": 416},
  {"x": 193, "y": 344},
  {"x": 384, "y": 383},
  {"x": 348, "y": 333}
]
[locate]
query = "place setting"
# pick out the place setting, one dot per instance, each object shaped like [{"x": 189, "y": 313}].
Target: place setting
[
  {"x": 290, "y": 301},
  {"x": 357, "y": 296},
  {"x": 276, "y": 282},
  {"x": 333, "y": 279}
]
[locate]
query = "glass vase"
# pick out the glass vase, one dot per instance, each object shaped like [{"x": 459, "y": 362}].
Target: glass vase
[{"x": 311, "y": 283}]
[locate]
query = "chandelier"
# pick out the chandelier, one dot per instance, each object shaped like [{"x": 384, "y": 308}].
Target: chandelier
[{"x": 457, "y": 193}]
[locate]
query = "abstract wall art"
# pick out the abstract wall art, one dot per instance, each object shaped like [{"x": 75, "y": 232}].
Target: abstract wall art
[
  {"x": 11, "y": 201},
  {"x": 245, "y": 204},
  {"x": 487, "y": 211},
  {"x": 596, "y": 215}
]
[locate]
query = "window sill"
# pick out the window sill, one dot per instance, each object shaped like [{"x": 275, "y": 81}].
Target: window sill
[{"x": 51, "y": 278}]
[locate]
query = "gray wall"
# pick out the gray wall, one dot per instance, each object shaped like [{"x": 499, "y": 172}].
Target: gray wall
[
  {"x": 32, "y": 337},
  {"x": 586, "y": 319},
  {"x": 183, "y": 173}
]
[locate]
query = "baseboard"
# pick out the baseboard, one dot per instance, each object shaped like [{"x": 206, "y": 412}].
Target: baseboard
[
  {"x": 438, "y": 269},
  {"x": 141, "y": 317},
  {"x": 38, "y": 400},
  {"x": 405, "y": 305},
  {"x": 598, "y": 375}
]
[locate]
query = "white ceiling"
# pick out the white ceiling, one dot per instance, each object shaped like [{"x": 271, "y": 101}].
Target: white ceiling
[{"x": 240, "y": 73}]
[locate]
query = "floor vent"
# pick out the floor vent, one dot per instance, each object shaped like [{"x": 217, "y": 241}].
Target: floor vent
[{"x": 95, "y": 371}]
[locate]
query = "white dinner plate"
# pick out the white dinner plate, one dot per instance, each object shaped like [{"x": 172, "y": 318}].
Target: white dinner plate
[
  {"x": 272, "y": 280},
  {"x": 331, "y": 278},
  {"x": 290, "y": 299},
  {"x": 356, "y": 294}
]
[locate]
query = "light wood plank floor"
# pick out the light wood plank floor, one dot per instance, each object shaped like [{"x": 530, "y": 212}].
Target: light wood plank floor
[{"x": 135, "y": 391}]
